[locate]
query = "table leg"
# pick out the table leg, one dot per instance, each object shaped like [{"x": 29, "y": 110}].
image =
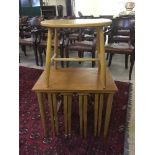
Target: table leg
[
  {"x": 51, "y": 112},
  {"x": 100, "y": 113},
  {"x": 65, "y": 114},
  {"x": 81, "y": 114},
  {"x": 85, "y": 115},
  {"x": 55, "y": 113},
  {"x": 96, "y": 113},
  {"x": 108, "y": 112},
  {"x": 42, "y": 112}
]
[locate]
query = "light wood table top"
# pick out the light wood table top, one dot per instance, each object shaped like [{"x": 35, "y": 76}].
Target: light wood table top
[
  {"x": 80, "y": 80},
  {"x": 75, "y": 23}
]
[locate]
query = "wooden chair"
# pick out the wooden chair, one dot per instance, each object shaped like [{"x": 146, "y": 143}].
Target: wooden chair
[
  {"x": 42, "y": 44},
  {"x": 121, "y": 39},
  {"x": 82, "y": 45},
  {"x": 32, "y": 40}
]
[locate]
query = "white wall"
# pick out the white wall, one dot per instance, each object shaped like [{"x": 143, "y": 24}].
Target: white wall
[
  {"x": 100, "y": 7},
  {"x": 57, "y": 2}
]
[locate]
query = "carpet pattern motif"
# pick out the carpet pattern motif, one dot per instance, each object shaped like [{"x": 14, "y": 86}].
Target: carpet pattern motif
[{"x": 32, "y": 142}]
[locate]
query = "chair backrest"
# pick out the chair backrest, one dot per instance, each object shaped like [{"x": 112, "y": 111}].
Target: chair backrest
[
  {"x": 122, "y": 23},
  {"x": 23, "y": 20},
  {"x": 60, "y": 10},
  {"x": 35, "y": 22}
]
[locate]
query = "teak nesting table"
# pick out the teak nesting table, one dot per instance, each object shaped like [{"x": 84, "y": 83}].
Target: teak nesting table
[{"x": 81, "y": 81}]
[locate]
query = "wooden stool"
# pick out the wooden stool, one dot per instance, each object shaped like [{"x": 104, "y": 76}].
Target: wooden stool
[{"x": 82, "y": 81}]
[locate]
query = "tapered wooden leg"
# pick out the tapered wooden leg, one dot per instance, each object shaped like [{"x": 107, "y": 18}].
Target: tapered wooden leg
[
  {"x": 48, "y": 57},
  {"x": 81, "y": 114},
  {"x": 55, "y": 113},
  {"x": 56, "y": 46},
  {"x": 100, "y": 113},
  {"x": 51, "y": 112},
  {"x": 102, "y": 58},
  {"x": 108, "y": 112},
  {"x": 65, "y": 114},
  {"x": 98, "y": 49},
  {"x": 42, "y": 112},
  {"x": 85, "y": 115},
  {"x": 96, "y": 114},
  {"x": 69, "y": 114}
]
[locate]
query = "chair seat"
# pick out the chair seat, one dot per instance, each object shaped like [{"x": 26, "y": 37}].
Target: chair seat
[
  {"x": 73, "y": 36},
  {"x": 82, "y": 46},
  {"x": 123, "y": 32},
  {"x": 85, "y": 43},
  {"x": 44, "y": 43},
  {"x": 26, "y": 41},
  {"x": 27, "y": 34},
  {"x": 120, "y": 48},
  {"x": 121, "y": 38},
  {"x": 89, "y": 37}
]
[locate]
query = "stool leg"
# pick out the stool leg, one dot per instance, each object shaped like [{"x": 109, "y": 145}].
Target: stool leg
[
  {"x": 69, "y": 114},
  {"x": 100, "y": 113},
  {"x": 65, "y": 114},
  {"x": 108, "y": 112},
  {"x": 55, "y": 113},
  {"x": 85, "y": 115},
  {"x": 95, "y": 114},
  {"x": 81, "y": 114},
  {"x": 51, "y": 112},
  {"x": 42, "y": 112}
]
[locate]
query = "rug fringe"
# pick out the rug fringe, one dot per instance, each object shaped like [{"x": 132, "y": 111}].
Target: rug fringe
[{"x": 128, "y": 117}]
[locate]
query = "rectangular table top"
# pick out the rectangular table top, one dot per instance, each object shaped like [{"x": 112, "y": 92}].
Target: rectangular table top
[{"x": 75, "y": 80}]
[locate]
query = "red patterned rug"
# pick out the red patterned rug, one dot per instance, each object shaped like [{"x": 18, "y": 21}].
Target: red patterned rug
[{"x": 32, "y": 142}]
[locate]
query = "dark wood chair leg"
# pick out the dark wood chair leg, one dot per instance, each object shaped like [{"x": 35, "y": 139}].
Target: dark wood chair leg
[
  {"x": 107, "y": 56},
  {"x": 126, "y": 61},
  {"x": 93, "y": 56},
  {"x": 80, "y": 56},
  {"x": 67, "y": 56},
  {"x": 132, "y": 60},
  {"x": 110, "y": 59},
  {"x": 23, "y": 47},
  {"x": 40, "y": 50},
  {"x": 36, "y": 54},
  {"x": 44, "y": 50},
  {"x": 62, "y": 55}
]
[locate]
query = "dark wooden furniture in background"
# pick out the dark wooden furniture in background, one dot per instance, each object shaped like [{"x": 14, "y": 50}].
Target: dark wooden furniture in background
[
  {"x": 69, "y": 7},
  {"x": 29, "y": 36},
  {"x": 122, "y": 40},
  {"x": 48, "y": 11}
]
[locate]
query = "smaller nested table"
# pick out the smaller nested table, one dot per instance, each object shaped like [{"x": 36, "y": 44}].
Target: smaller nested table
[{"x": 81, "y": 81}]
